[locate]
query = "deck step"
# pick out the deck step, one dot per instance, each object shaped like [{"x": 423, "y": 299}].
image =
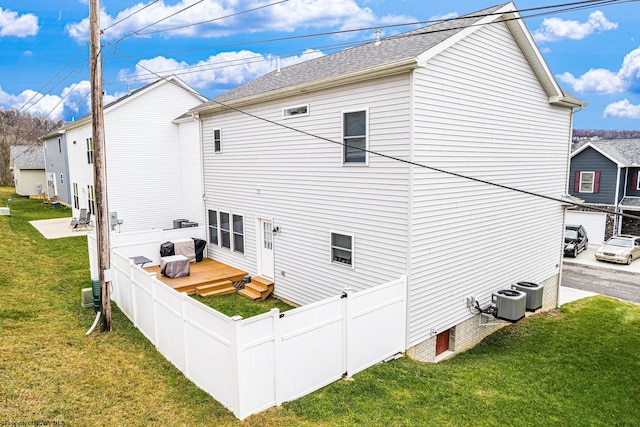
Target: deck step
[
  {"x": 258, "y": 289},
  {"x": 249, "y": 293},
  {"x": 210, "y": 287},
  {"x": 262, "y": 281},
  {"x": 219, "y": 291}
]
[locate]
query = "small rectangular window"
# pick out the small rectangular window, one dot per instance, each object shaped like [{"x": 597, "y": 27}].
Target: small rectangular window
[
  {"x": 238, "y": 233},
  {"x": 587, "y": 180},
  {"x": 354, "y": 137},
  {"x": 76, "y": 197},
  {"x": 217, "y": 141},
  {"x": 61, "y": 179},
  {"x": 213, "y": 227},
  {"x": 225, "y": 230},
  {"x": 90, "y": 150},
  {"x": 91, "y": 199},
  {"x": 342, "y": 249},
  {"x": 299, "y": 110}
]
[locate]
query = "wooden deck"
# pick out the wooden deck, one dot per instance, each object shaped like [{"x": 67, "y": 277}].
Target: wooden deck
[{"x": 202, "y": 273}]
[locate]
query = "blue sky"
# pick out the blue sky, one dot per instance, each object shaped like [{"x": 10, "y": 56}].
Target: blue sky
[{"x": 215, "y": 45}]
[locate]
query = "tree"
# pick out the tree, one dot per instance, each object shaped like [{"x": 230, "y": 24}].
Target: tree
[{"x": 20, "y": 128}]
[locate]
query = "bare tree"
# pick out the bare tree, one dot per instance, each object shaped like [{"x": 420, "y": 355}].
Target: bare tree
[{"x": 18, "y": 128}]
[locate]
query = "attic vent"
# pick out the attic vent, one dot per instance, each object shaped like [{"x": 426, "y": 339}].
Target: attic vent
[{"x": 300, "y": 110}]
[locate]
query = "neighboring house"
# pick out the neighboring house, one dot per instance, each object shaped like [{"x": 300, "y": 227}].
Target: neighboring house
[
  {"x": 604, "y": 173},
  {"x": 57, "y": 167},
  {"x": 153, "y": 164},
  {"x": 291, "y": 196},
  {"x": 27, "y": 163}
]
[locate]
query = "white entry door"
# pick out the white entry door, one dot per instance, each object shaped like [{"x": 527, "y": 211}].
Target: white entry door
[{"x": 266, "y": 249}]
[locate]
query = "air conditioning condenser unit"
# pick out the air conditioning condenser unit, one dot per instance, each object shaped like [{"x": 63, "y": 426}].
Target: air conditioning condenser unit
[{"x": 510, "y": 304}]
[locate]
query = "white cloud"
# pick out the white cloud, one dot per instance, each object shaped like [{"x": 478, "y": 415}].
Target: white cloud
[
  {"x": 622, "y": 109},
  {"x": 11, "y": 24},
  {"x": 33, "y": 102},
  {"x": 604, "y": 81},
  {"x": 226, "y": 68},
  {"x": 287, "y": 17},
  {"x": 595, "y": 81},
  {"x": 554, "y": 29}
]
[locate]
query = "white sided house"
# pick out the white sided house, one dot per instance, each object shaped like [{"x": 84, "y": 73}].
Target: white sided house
[
  {"x": 290, "y": 194},
  {"x": 152, "y": 156}
]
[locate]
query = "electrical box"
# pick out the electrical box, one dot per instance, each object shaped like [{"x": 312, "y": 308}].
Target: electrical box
[{"x": 87, "y": 298}]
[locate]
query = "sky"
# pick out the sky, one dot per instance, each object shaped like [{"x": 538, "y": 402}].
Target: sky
[{"x": 591, "y": 47}]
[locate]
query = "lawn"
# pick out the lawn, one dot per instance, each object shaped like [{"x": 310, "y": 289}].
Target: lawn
[{"x": 578, "y": 366}]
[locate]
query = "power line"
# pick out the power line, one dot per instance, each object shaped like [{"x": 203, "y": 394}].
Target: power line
[
  {"x": 410, "y": 162},
  {"x": 573, "y": 6},
  {"x": 129, "y": 16},
  {"x": 211, "y": 20}
]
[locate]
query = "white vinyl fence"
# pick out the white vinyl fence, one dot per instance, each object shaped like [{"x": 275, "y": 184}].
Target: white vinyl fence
[{"x": 252, "y": 364}]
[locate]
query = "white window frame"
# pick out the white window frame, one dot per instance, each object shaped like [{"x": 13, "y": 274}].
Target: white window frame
[
  {"x": 295, "y": 107},
  {"x": 593, "y": 182},
  {"x": 209, "y": 227},
  {"x": 90, "y": 150},
  {"x": 218, "y": 140},
  {"x": 232, "y": 233},
  {"x": 331, "y": 248},
  {"x": 76, "y": 196},
  {"x": 61, "y": 179},
  {"x": 91, "y": 199},
  {"x": 366, "y": 136}
]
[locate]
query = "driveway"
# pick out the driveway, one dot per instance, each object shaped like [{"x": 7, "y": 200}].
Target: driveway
[{"x": 587, "y": 274}]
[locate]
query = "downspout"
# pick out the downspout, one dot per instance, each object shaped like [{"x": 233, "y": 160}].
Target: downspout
[
  {"x": 564, "y": 209},
  {"x": 617, "y": 224},
  {"x": 205, "y": 219}
]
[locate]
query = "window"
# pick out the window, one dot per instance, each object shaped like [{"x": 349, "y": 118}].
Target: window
[
  {"x": 76, "y": 198},
  {"x": 91, "y": 199},
  {"x": 354, "y": 137},
  {"x": 217, "y": 141},
  {"x": 225, "y": 231},
  {"x": 213, "y": 227},
  {"x": 89, "y": 150},
  {"x": 342, "y": 249},
  {"x": 59, "y": 146},
  {"x": 61, "y": 179},
  {"x": 300, "y": 110},
  {"x": 635, "y": 179},
  {"x": 238, "y": 233},
  {"x": 587, "y": 182}
]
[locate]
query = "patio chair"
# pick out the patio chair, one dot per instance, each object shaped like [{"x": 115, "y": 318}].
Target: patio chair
[
  {"x": 84, "y": 222},
  {"x": 74, "y": 220}
]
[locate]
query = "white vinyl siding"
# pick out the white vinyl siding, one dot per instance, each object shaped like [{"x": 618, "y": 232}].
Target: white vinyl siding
[
  {"x": 299, "y": 181},
  {"x": 153, "y": 165},
  {"x": 481, "y": 112}
]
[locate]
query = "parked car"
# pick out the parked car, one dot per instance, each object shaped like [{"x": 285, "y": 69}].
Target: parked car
[
  {"x": 575, "y": 240},
  {"x": 622, "y": 248}
]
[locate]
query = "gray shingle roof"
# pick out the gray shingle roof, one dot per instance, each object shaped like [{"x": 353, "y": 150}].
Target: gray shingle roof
[
  {"x": 633, "y": 202},
  {"x": 27, "y": 157},
  {"x": 368, "y": 56},
  {"x": 624, "y": 151}
]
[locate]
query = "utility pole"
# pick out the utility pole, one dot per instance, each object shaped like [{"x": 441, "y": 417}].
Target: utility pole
[{"x": 99, "y": 165}]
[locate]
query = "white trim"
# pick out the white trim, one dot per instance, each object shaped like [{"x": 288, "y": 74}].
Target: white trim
[
  {"x": 295, "y": 107},
  {"x": 366, "y": 136},
  {"x": 593, "y": 182},
  {"x": 353, "y": 249}
]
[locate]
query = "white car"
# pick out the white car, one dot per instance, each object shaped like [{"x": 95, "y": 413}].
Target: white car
[{"x": 622, "y": 248}]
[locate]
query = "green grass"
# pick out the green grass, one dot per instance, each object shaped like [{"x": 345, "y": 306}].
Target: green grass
[
  {"x": 578, "y": 366},
  {"x": 235, "y": 304}
]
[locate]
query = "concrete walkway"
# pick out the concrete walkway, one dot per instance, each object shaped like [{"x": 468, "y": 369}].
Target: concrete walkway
[{"x": 57, "y": 228}]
